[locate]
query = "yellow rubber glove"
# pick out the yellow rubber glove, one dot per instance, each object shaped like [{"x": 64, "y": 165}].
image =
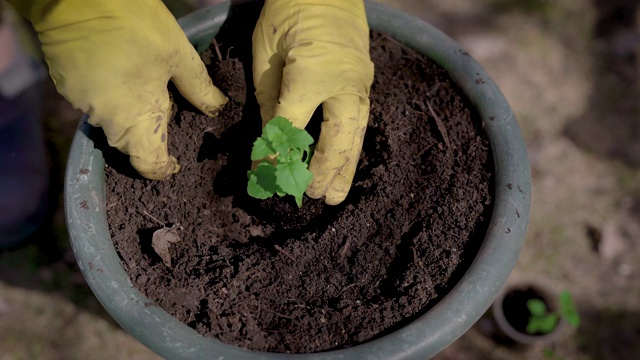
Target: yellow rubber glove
[
  {"x": 112, "y": 59},
  {"x": 312, "y": 52}
]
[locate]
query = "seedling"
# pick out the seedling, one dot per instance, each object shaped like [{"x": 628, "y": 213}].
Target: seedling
[
  {"x": 543, "y": 321},
  {"x": 284, "y": 154}
]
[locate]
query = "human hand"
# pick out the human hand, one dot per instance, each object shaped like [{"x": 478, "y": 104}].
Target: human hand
[
  {"x": 113, "y": 60},
  {"x": 311, "y": 52}
]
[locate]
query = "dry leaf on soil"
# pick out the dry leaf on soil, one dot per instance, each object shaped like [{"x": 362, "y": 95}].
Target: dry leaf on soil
[{"x": 161, "y": 242}]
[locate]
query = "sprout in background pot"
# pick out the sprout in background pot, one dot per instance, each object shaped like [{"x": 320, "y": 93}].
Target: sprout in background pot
[
  {"x": 527, "y": 314},
  {"x": 543, "y": 321}
]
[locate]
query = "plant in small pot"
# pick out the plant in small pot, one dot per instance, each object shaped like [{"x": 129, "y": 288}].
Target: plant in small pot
[
  {"x": 527, "y": 314},
  {"x": 336, "y": 300}
]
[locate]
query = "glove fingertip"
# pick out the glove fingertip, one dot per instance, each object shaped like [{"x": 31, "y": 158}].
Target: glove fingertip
[
  {"x": 338, "y": 191},
  {"x": 212, "y": 102},
  {"x": 194, "y": 83},
  {"x": 205, "y": 96},
  {"x": 155, "y": 170},
  {"x": 335, "y": 200}
]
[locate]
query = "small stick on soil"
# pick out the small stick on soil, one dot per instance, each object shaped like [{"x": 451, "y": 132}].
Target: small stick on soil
[
  {"x": 151, "y": 183},
  {"x": 345, "y": 247},
  {"x": 109, "y": 206},
  {"x": 415, "y": 255},
  {"x": 424, "y": 150},
  {"x": 277, "y": 313},
  {"x": 215, "y": 45},
  {"x": 347, "y": 287},
  {"x": 441, "y": 127},
  {"x": 283, "y": 252},
  {"x": 152, "y": 217}
]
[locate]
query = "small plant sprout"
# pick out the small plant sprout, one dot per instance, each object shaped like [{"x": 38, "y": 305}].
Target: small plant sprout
[
  {"x": 284, "y": 153},
  {"x": 543, "y": 321}
]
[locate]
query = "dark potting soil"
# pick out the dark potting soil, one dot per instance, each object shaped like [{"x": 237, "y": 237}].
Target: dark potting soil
[{"x": 265, "y": 275}]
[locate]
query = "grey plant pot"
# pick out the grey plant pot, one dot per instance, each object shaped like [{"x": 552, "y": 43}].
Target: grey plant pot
[{"x": 422, "y": 338}]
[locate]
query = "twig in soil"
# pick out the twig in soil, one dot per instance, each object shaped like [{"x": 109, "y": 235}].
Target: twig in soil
[
  {"x": 345, "y": 247},
  {"x": 347, "y": 287},
  {"x": 151, "y": 216},
  {"x": 416, "y": 258},
  {"x": 284, "y": 252},
  {"x": 441, "y": 128},
  {"x": 109, "y": 206},
  {"x": 424, "y": 149},
  {"x": 215, "y": 45},
  {"x": 277, "y": 313},
  {"x": 151, "y": 183},
  {"x": 273, "y": 330}
]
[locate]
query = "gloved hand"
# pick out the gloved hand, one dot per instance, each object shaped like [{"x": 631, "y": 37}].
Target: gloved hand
[
  {"x": 312, "y": 52},
  {"x": 112, "y": 59}
]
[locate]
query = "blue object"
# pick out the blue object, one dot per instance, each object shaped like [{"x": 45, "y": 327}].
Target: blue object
[{"x": 24, "y": 172}]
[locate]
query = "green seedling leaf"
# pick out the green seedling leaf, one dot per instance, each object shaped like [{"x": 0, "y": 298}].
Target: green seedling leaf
[
  {"x": 262, "y": 181},
  {"x": 298, "y": 138},
  {"x": 537, "y": 307},
  {"x": 299, "y": 155},
  {"x": 543, "y": 321},
  {"x": 281, "y": 122},
  {"x": 568, "y": 309},
  {"x": 275, "y": 132},
  {"x": 294, "y": 178},
  {"x": 261, "y": 149},
  {"x": 285, "y": 171},
  {"x": 549, "y": 354},
  {"x": 542, "y": 324}
]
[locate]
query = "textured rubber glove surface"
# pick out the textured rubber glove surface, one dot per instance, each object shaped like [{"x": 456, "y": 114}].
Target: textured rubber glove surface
[
  {"x": 312, "y": 52},
  {"x": 112, "y": 60}
]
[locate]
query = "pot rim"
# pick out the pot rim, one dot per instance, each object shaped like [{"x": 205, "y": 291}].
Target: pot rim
[{"x": 424, "y": 337}]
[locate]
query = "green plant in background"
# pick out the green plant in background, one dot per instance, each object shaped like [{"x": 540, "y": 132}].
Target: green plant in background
[
  {"x": 543, "y": 321},
  {"x": 284, "y": 154}
]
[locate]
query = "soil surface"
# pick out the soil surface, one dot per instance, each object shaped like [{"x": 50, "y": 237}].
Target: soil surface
[{"x": 267, "y": 276}]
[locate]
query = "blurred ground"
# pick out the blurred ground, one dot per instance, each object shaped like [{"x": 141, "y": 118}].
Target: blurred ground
[{"x": 570, "y": 70}]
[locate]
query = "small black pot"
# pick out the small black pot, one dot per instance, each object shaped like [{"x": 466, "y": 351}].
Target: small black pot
[{"x": 511, "y": 315}]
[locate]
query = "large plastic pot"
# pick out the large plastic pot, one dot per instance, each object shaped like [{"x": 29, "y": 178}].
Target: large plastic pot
[{"x": 424, "y": 337}]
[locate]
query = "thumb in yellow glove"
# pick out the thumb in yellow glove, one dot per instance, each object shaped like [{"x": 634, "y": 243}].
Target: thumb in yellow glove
[
  {"x": 113, "y": 59},
  {"x": 312, "y": 52}
]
